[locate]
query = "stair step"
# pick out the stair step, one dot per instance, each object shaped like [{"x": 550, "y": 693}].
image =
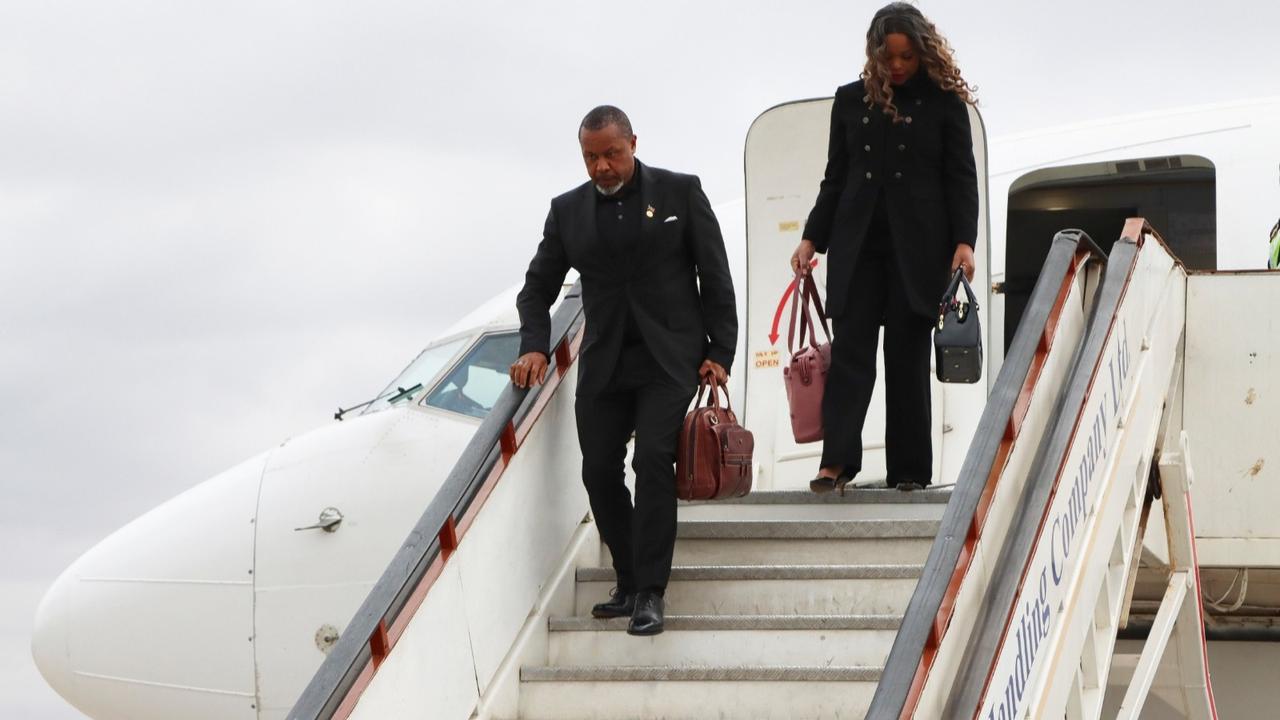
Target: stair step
[
  {"x": 805, "y": 529},
  {"x": 735, "y": 622},
  {"x": 852, "y": 496},
  {"x": 797, "y": 505},
  {"x": 768, "y": 542},
  {"x": 716, "y": 673},
  {"x": 749, "y": 692},
  {"x": 771, "y": 589},
  {"x": 704, "y": 640},
  {"x": 768, "y": 572},
  {"x": 776, "y": 551}
]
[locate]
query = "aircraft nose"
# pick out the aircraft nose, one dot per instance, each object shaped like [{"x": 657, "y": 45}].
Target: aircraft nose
[
  {"x": 49, "y": 641},
  {"x": 156, "y": 621}
]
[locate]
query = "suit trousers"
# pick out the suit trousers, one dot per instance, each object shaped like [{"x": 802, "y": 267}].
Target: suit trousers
[
  {"x": 877, "y": 297},
  {"x": 642, "y": 398}
]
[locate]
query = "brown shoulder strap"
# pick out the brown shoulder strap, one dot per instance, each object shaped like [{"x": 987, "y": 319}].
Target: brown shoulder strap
[
  {"x": 795, "y": 308},
  {"x": 811, "y": 291}
]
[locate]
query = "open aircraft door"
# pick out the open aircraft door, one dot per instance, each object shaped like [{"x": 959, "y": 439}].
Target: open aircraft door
[{"x": 786, "y": 152}]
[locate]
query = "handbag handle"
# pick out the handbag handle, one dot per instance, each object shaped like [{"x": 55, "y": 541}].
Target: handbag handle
[
  {"x": 811, "y": 289},
  {"x": 805, "y": 292},
  {"x": 795, "y": 308},
  {"x": 949, "y": 301}
]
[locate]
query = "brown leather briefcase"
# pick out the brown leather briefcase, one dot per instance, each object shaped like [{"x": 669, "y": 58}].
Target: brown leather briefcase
[{"x": 713, "y": 456}]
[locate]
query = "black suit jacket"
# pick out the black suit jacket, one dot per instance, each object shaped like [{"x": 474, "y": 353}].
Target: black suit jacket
[
  {"x": 926, "y": 173},
  {"x": 676, "y": 281}
]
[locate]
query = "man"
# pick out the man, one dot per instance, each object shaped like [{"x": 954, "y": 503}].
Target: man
[
  {"x": 1273, "y": 249},
  {"x": 660, "y": 313}
]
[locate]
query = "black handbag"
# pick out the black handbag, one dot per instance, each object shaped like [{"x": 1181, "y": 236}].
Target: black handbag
[{"x": 957, "y": 343}]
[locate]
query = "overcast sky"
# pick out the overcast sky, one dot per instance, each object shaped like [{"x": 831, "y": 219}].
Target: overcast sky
[{"x": 219, "y": 221}]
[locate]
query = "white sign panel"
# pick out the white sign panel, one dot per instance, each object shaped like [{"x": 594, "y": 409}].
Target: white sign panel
[{"x": 1038, "y": 608}]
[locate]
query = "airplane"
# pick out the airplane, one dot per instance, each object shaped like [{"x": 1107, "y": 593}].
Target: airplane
[{"x": 225, "y": 601}]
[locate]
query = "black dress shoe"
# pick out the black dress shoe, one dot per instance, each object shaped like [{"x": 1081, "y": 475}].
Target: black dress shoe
[
  {"x": 620, "y": 604},
  {"x": 647, "y": 618}
]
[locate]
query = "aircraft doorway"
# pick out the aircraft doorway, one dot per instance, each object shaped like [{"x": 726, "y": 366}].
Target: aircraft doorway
[{"x": 1176, "y": 194}]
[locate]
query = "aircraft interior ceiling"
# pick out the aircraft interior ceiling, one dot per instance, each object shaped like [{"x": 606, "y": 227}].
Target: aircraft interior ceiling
[{"x": 1176, "y": 194}]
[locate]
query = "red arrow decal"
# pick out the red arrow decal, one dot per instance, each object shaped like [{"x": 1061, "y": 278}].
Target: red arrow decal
[
  {"x": 777, "y": 316},
  {"x": 782, "y": 305}
]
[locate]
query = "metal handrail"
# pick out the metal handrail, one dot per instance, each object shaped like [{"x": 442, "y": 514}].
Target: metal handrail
[
  {"x": 1002, "y": 590},
  {"x": 903, "y": 672},
  {"x": 432, "y": 535}
]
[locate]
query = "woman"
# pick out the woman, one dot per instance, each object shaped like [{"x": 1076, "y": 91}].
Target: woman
[{"x": 897, "y": 212}]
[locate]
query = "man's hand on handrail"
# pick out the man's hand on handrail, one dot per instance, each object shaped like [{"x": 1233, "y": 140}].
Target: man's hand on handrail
[{"x": 529, "y": 369}]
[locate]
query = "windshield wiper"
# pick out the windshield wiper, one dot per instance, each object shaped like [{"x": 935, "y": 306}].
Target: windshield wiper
[{"x": 391, "y": 397}]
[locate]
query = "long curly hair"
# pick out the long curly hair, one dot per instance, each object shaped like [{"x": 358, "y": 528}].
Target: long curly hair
[{"x": 936, "y": 56}]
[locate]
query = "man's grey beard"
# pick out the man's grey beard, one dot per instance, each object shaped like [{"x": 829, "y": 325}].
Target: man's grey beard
[{"x": 607, "y": 191}]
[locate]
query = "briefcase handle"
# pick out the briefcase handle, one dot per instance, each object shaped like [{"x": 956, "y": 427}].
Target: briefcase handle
[
  {"x": 949, "y": 298},
  {"x": 713, "y": 401},
  {"x": 805, "y": 292}
]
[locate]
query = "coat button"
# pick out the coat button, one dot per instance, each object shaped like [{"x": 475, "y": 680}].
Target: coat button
[
  {"x": 902, "y": 147},
  {"x": 897, "y": 176},
  {"x": 865, "y": 119},
  {"x": 908, "y": 119},
  {"x": 867, "y": 148},
  {"x": 868, "y": 176},
  {"x": 919, "y": 102}
]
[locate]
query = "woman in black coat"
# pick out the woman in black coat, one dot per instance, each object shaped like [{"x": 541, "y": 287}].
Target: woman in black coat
[{"x": 897, "y": 212}]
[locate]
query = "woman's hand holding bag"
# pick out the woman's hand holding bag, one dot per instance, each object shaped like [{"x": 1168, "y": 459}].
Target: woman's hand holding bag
[{"x": 806, "y": 373}]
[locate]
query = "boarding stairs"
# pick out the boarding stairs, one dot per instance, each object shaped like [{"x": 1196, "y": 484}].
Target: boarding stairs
[
  {"x": 781, "y": 604},
  {"x": 1001, "y": 598}
]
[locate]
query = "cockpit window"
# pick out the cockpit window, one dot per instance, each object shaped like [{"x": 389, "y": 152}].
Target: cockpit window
[
  {"x": 472, "y": 388},
  {"x": 420, "y": 373}
]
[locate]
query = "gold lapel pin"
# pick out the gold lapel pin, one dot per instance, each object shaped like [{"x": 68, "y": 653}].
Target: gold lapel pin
[{"x": 648, "y": 212}]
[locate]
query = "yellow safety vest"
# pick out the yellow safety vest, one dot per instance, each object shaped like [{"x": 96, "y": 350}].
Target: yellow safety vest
[{"x": 1273, "y": 261}]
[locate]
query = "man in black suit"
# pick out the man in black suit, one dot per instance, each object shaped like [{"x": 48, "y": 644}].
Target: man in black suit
[{"x": 660, "y": 313}]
